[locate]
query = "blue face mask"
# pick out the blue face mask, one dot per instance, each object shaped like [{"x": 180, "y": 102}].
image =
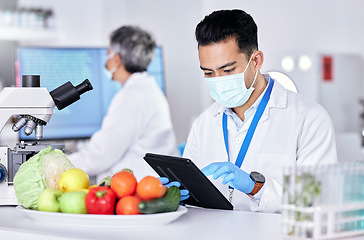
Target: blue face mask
[
  {"x": 230, "y": 91},
  {"x": 109, "y": 73}
]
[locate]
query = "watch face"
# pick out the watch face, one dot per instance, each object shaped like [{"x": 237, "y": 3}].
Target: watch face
[{"x": 257, "y": 177}]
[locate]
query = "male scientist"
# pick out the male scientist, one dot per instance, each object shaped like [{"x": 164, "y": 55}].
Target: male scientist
[
  {"x": 256, "y": 127},
  {"x": 138, "y": 118}
]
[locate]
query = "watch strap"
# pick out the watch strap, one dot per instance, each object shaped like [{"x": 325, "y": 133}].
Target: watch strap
[{"x": 257, "y": 187}]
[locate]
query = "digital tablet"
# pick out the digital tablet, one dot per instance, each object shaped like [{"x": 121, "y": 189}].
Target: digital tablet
[{"x": 203, "y": 192}]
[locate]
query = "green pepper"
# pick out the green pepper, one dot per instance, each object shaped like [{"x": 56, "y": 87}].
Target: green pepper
[{"x": 100, "y": 200}]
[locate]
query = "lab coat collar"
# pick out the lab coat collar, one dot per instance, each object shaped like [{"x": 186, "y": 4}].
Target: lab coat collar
[
  {"x": 278, "y": 99},
  {"x": 134, "y": 77}
]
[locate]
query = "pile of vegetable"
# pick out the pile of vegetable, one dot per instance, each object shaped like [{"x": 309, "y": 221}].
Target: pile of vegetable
[
  {"x": 38, "y": 173},
  {"x": 123, "y": 195},
  {"x": 49, "y": 182}
]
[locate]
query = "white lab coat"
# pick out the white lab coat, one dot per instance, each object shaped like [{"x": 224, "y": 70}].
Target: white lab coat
[
  {"x": 138, "y": 121},
  {"x": 293, "y": 130}
]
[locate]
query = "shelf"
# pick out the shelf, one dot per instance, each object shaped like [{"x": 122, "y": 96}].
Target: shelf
[{"x": 20, "y": 34}]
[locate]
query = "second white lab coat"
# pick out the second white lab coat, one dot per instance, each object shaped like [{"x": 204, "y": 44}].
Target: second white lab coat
[
  {"x": 138, "y": 121},
  {"x": 293, "y": 130}
]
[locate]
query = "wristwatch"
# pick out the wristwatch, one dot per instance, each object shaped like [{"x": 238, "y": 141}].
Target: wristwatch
[{"x": 259, "y": 181}]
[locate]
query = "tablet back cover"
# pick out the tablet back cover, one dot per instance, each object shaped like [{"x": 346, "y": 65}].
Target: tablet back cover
[{"x": 203, "y": 192}]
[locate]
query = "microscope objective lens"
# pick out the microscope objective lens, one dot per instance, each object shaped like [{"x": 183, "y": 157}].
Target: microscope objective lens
[
  {"x": 19, "y": 124},
  {"x": 38, "y": 131},
  {"x": 29, "y": 127}
]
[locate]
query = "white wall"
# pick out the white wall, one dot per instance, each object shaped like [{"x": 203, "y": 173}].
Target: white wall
[
  {"x": 284, "y": 27},
  {"x": 116, "y": 13},
  {"x": 341, "y": 95},
  {"x": 78, "y": 23}
]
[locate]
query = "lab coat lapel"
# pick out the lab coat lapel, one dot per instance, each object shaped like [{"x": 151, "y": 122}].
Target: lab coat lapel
[
  {"x": 218, "y": 118},
  {"x": 278, "y": 99}
]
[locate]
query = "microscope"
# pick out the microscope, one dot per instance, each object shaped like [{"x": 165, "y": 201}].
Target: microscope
[{"x": 35, "y": 105}]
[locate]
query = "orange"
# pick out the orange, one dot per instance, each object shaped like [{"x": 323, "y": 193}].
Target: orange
[
  {"x": 127, "y": 206},
  {"x": 150, "y": 187},
  {"x": 124, "y": 184}
]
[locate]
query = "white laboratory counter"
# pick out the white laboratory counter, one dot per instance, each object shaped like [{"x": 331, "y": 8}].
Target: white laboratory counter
[{"x": 197, "y": 223}]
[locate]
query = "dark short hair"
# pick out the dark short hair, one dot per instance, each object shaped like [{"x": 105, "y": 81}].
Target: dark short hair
[
  {"x": 135, "y": 47},
  {"x": 225, "y": 24}
]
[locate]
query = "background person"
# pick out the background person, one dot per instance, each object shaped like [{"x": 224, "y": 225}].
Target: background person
[
  {"x": 138, "y": 119},
  {"x": 290, "y": 129}
]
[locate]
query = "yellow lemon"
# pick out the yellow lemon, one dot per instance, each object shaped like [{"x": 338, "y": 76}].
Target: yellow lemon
[
  {"x": 73, "y": 179},
  {"x": 92, "y": 186}
]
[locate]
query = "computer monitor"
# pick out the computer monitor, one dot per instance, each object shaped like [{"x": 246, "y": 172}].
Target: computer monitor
[{"x": 59, "y": 65}]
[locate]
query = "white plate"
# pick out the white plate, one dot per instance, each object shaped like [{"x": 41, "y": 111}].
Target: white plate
[{"x": 105, "y": 221}]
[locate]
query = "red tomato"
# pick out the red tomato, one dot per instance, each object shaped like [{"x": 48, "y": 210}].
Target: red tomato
[
  {"x": 124, "y": 184},
  {"x": 150, "y": 187},
  {"x": 128, "y": 206}
]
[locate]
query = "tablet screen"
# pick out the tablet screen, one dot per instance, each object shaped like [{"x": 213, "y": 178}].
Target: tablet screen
[{"x": 203, "y": 192}]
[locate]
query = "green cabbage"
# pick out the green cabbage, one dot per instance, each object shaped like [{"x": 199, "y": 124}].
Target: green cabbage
[{"x": 39, "y": 172}]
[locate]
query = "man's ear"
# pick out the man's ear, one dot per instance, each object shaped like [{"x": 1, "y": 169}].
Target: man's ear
[
  {"x": 118, "y": 60},
  {"x": 258, "y": 60}
]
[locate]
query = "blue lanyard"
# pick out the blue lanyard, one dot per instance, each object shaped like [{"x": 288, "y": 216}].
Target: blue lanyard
[{"x": 248, "y": 138}]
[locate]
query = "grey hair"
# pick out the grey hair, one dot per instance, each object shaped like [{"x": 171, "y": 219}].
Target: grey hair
[{"x": 135, "y": 47}]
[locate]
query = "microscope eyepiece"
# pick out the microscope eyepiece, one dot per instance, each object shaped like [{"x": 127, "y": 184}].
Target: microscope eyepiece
[
  {"x": 31, "y": 81},
  {"x": 84, "y": 87},
  {"x": 67, "y": 94}
]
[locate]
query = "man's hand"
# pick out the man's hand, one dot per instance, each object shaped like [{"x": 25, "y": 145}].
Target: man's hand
[
  {"x": 184, "y": 192},
  {"x": 231, "y": 175}
]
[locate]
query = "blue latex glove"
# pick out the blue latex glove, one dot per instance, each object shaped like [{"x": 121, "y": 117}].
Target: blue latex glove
[
  {"x": 231, "y": 175},
  {"x": 184, "y": 192}
]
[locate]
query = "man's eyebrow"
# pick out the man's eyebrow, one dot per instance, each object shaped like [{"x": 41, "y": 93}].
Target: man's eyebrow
[
  {"x": 227, "y": 65},
  {"x": 205, "y": 69},
  {"x": 223, "y": 66}
]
